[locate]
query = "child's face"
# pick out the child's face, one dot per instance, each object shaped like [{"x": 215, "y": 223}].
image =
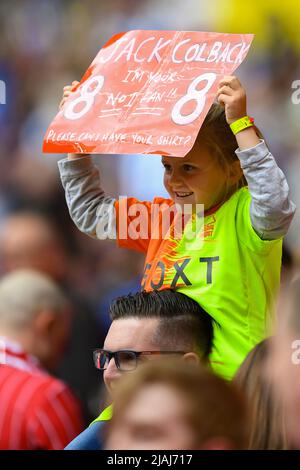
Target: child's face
[{"x": 195, "y": 179}]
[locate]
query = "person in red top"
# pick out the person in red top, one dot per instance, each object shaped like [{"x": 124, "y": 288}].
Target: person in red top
[{"x": 37, "y": 411}]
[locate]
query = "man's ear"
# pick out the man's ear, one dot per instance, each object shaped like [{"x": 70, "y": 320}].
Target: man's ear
[
  {"x": 191, "y": 357},
  {"x": 44, "y": 322}
]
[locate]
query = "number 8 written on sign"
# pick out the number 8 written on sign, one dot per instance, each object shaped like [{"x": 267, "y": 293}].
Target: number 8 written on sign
[
  {"x": 85, "y": 96},
  {"x": 192, "y": 94}
]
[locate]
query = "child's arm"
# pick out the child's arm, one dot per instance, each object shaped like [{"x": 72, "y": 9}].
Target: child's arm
[
  {"x": 91, "y": 210},
  {"x": 271, "y": 210},
  {"x": 67, "y": 90}
]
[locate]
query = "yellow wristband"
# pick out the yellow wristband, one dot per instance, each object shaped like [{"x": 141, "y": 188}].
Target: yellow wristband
[{"x": 241, "y": 124}]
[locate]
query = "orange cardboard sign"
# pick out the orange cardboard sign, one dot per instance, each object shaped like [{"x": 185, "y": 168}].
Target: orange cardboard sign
[{"x": 146, "y": 92}]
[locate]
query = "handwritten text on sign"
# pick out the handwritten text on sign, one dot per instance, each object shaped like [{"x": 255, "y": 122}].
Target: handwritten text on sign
[{"x": 146, "y": 92}]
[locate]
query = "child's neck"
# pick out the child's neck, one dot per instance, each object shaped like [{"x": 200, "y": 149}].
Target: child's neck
[
  {"x": 213, "y": 209},
  {"x": 216, "y": 206}
]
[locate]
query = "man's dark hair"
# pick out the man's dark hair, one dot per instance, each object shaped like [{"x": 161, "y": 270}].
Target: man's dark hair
[{"x": 183, "y": 324}]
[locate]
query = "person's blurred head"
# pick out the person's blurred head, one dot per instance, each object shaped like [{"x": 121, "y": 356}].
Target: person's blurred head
[
  {"x": 283, "y": 365},
  {"x": 268, "y": 428},
  {"x": 157, "y": 321},
  {"x": 30, "y": 240},
  {"x": 173, "y": 405},
  {"x": 34, "y": 313}
]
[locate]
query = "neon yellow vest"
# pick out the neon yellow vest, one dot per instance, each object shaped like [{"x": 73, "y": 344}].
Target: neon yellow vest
[
  {"x": 235, "y": 277},
  {"x": 105, "y": 415},
  {"x": 232, "y": 274}
]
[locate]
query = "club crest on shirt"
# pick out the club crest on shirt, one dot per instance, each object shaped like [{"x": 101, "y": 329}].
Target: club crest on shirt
[{"x": 209, "y": 227}]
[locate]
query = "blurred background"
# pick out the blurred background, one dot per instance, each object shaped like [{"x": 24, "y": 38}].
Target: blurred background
[{"x": 46, "y": 44}]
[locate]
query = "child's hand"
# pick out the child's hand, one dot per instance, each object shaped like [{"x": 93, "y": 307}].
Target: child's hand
[
  {"x": 68, "y": 89},
  {"x": 232, "y": 95}
]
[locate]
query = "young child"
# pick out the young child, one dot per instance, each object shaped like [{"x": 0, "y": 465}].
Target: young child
[{"x": 235, "y": 272}]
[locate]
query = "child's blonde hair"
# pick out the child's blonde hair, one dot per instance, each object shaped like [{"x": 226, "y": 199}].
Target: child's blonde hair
[{"x": 217, "y": 136}]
